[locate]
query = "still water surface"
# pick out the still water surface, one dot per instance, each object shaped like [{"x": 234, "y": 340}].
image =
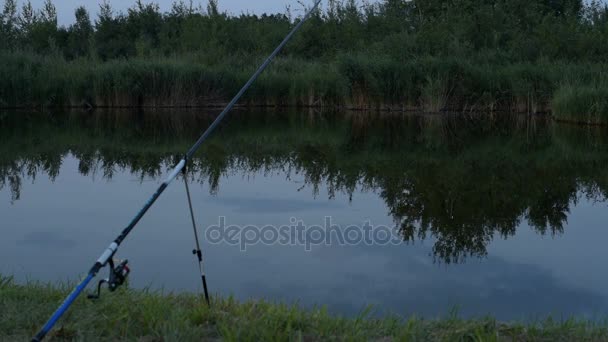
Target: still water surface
[{"x": 504, "y": 217}]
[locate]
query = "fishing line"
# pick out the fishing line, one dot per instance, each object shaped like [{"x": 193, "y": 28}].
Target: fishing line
[{"x": 122, "y": 270}]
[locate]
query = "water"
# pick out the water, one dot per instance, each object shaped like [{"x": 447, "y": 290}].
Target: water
[{"x": 503, "y": 217}]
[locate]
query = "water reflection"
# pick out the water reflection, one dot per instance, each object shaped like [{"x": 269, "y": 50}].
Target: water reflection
[{"x": 460, "y": 181}]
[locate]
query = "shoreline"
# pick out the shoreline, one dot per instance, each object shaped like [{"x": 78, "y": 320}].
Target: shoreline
[
  {"x": 153, "y": 316},
  {"x": 410, "y": 110}
]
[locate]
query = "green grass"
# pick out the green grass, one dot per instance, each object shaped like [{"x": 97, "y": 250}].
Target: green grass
[{"x": 130, "y": 315}]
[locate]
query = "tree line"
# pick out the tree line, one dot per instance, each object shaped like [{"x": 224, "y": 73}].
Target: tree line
[{"x": 501, "y": 30}]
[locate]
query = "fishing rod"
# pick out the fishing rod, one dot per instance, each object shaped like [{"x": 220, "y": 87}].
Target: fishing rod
[{"x": 119, "y": 273}]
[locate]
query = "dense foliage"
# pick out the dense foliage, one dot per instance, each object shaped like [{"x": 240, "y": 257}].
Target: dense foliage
[
  {"x": 431, "y": 54},
  {"x": 504, "y": 30}
]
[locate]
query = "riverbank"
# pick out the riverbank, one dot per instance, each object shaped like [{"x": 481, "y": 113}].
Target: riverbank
[
  {"x": 570, "y": 91},
  {"x": 148, "y": 316}
]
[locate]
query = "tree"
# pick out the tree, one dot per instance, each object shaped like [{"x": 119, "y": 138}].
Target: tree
[
  {"x": 181, "y": 9},
  {"x": 80, "y": 34},
  {"x": 213, "y": 8},
  {"x": 27, "y": 19},
  {"x": 564, "y": 7},
  {"x": 48, "y": 14},
  {"x": 145, "y": 23},
  {"x": 171, "y": 35},
  {"x": 42, "y": 31},
  {"x": 112, "y": 36},
  {"x": 9, "y": 24}
]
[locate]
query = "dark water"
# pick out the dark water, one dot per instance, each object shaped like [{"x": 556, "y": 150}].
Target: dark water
[{"x": 504, "y": 217}]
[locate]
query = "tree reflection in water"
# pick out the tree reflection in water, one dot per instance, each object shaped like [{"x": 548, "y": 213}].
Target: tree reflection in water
[{"x": 460, "y": 180}]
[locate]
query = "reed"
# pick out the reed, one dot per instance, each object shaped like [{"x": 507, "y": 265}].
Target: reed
[
  {"x": 582, "y": 103},
  {"x": 358, "y": 81}
]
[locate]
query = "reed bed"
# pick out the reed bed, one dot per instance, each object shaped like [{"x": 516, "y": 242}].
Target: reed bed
[{"x": 572, "y": 91}]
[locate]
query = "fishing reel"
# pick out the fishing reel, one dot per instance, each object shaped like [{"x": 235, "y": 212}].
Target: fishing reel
[{"x": 118, "y": 276}]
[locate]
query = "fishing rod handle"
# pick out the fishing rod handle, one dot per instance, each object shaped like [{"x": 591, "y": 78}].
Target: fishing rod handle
[
  {"x": 63, "y": 308},
  {"x": 102, "y": 261}
]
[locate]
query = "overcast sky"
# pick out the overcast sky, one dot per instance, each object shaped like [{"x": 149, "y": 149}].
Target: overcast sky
[{"x": 65, "y": 8}]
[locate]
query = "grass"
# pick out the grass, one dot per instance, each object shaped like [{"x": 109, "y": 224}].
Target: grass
[
  {"x": 132, "y": 315},
  {"x": 359, "y": 81}
]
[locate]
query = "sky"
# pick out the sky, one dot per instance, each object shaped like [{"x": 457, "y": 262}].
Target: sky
[{"x": 65, "y": 8}]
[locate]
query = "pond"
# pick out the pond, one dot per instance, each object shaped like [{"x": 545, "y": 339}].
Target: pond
[{"x": 428, "y": 215}]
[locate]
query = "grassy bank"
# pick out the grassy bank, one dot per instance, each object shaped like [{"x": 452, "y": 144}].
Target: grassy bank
[
  {"x": 144, "y": 316},
  {"x": 572, "y": 91}
]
